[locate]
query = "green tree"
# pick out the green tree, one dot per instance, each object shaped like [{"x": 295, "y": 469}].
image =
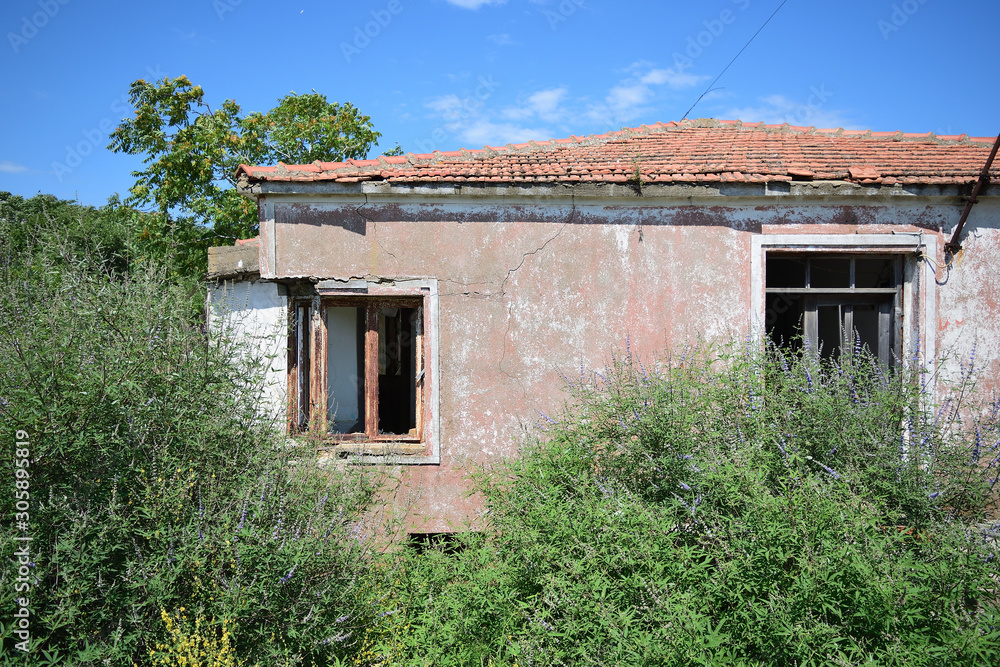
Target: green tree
[
  {"x": 164, "y": 509},
  {"x": 191, "y": 152}
]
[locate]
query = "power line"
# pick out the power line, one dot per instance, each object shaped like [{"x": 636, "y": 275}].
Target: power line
[{"x": 707, "y": 90}]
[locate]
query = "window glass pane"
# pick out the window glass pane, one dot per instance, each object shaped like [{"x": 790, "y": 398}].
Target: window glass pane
[
  {"x": 874, "y": 272},
  {"x": 397, "y": 395},
  {"x": 866, "y": 327},
  {"x": 785, "y": 271},
  {"x": 783, "y": 319},
  {"x": 302, "y": 361},
  {"x": 829, "y": 327},
  {"x": 830, "y": 272},
  {"x": 345, "y": 369}
]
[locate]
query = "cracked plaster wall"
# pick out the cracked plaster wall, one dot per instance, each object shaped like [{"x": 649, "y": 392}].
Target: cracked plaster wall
[{"x": 529, "y": 293}]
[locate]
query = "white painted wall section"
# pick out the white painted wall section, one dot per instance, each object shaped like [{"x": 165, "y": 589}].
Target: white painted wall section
[{"x": 251, "y": 317}]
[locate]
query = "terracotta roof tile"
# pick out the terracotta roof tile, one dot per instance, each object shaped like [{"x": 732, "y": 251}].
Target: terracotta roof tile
[{"x": 690, "y": 151}]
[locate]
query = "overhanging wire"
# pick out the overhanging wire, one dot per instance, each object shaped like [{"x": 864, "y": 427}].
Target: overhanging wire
[{"x": 733, "y": 60}]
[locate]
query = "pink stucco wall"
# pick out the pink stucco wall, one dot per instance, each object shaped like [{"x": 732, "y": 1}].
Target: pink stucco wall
[{"x": 528, "y": 293}]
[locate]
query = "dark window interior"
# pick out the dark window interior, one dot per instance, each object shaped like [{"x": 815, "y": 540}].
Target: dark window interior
[
  {"x": 830, "y": 272},
  {"x": 397, "y": 391},
  {"x": 834, "y": 303},
  {"x": 784, "y": 319}
]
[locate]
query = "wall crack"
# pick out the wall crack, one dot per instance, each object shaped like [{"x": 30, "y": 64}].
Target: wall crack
[
  {"x": 510, "y": 306},
  {"x": 374, "y": 229}
]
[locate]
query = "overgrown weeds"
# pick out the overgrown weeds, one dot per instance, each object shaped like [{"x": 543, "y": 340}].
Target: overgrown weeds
[
  {"x": 729, "y": 506},
  {"x": 156, "y": 490}
]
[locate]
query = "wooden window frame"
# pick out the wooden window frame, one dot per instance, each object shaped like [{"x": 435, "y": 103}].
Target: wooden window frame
[
  {"x": 307, "y": 373},
  {"x": 887, "y": 299}
]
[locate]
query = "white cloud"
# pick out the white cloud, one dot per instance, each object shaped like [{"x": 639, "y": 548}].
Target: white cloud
[
  {"x": 501, "y": 39},
  {"x": 8, "y": 167},
  {"x": 623, "y": 98},
  {"x": 468, "y": 122},
  {"x": 543, "y": 104},
  {"x": 549, "y": 112},
  {"x": 777, "y": 109},
  {"x": 634, "y": 96},
  {"x": 474, "y": 4},
  {"x": 675, "y": 80},
  {"x": 482, "y": 132},
  {"x": 546, "y": 102},
  {"x": 447, "y": 106}
]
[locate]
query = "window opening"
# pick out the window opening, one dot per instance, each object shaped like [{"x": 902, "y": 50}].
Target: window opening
[
  {"x": 834, "y": 302},
  {"x": 370, "y": 350}
]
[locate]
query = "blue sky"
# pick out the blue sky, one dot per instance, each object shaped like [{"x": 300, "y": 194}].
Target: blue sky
[{"x": 445, "y": 74}]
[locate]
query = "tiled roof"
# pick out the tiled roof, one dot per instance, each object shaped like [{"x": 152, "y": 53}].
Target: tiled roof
[{"x": 699, "y": 151}]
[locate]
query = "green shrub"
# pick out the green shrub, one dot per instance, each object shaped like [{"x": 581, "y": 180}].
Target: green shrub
[
  {"x": 156, "y": 488},
  {"x": 725, "y": 507}
]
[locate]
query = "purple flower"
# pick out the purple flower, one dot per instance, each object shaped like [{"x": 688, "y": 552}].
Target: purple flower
[
  {"x": 288, "y": 576},
  {"x": 782, "y": 448},
  {"x": 934, "y": 495},
  {"x": 684, "y": 486},
  {"x": 833, "y": 473}
]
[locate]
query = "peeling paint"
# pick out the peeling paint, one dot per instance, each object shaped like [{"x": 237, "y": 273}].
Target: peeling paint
[{"x": 530, "y": 291}]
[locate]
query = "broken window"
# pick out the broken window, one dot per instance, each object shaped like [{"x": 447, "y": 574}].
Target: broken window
[
  {"x": 357, "y": 369},
  {"x": 835, "y": 303}
]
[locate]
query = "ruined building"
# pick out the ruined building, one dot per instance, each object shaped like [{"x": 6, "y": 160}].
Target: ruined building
[{"x": 418, "y": 309}]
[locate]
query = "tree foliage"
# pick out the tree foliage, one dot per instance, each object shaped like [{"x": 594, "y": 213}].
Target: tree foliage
[
  {"x": 164, "y": 511},
  {"x": 191, "y": 151}
]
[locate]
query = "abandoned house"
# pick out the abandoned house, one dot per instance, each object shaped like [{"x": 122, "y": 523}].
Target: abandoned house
[{"x": 420, "y": 309}]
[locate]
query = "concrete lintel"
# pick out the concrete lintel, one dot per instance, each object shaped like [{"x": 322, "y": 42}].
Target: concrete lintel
[
  {"x": 241, "y": 262},
  {"x": 617, "y": 193}
]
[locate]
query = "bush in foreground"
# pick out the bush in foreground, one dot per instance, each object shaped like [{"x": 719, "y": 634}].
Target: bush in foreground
[
  {"x": 723, "y": 508},
  {"x": 164, "y": 516}
]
